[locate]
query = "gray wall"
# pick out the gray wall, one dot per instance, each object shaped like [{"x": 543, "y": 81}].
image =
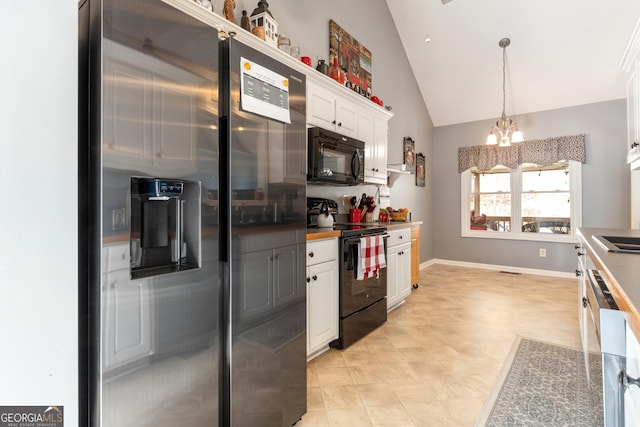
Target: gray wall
[
  {"x": 605, "y": 184},
  {"x": 306, "y": 23}
]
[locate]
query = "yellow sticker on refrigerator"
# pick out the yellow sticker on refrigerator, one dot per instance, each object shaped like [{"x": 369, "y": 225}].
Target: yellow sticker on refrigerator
[{"x": 263, "y": 91}]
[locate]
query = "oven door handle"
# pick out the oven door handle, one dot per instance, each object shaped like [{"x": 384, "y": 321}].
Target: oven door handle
[{"x": 357, "y": 240}]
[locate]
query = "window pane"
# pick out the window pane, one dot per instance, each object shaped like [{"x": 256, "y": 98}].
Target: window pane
[
  {"x": 543, "y": 179},
  {"x": 495, "y": 180},
  {"x": 491, "y": 212},
  {"x": 546, "y": 199},
  {"x": 546, "y": 205},
  {"x": 546, "y": 213}
]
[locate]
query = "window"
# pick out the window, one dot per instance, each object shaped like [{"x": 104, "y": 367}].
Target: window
[{"x": 530, "y": 202}]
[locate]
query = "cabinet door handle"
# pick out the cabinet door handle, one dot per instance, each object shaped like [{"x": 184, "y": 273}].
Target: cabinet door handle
[
  {"x": 310, "y": 254},
  {"x": 634, "y": 145},
  {"x": 340, "y": 124},
  {"x": 626, "y": 380},
  {"x": 315, "y": 277},
  {"x": 580, "y": 253},
  {"x": 578, "y": 273},
  {"x": 333, "y": 122},
  {"x": 576, "y": 246},
  {"x": 584, "y": 302},
  {"x": 308, "y": 279}
]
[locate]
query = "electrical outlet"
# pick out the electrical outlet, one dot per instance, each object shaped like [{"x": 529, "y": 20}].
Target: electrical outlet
[{"x": 543, "y": 252}]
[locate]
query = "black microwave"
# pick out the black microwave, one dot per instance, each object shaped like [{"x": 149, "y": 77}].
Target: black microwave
[{"x": 334, "y": 158}]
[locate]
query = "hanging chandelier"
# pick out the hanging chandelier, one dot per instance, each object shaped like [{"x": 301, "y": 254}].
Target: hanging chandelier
[{"x": 505, "y": 130}]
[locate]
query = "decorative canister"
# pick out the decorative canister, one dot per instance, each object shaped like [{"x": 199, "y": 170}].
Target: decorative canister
[{"x": 323, "y": 67}]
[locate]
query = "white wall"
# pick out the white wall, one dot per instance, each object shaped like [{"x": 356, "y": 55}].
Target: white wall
[{"x": 38, "y": 213}]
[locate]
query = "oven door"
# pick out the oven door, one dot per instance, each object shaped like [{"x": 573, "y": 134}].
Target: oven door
[
  {"x": 336, "y": 163},
  {"x": 356, "y": 295}
]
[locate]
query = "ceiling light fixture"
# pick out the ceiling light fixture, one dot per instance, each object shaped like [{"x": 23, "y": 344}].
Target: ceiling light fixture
[{"x": 505, "y": 128}]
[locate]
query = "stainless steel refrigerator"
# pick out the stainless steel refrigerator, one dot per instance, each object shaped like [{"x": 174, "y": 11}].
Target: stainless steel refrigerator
[{"x": 193, "y": 224}]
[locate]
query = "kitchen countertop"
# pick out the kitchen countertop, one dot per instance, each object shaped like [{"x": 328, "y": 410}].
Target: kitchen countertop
[{"x": 621, "y": 271}]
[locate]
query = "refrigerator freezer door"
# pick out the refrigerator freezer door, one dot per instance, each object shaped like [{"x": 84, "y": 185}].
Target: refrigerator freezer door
[
  {"x": 153, "y": 100},
  {"x": 267, "y": 235}
]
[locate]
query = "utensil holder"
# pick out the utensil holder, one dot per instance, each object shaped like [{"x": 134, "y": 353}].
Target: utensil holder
[{"x": 354, "y": 215}]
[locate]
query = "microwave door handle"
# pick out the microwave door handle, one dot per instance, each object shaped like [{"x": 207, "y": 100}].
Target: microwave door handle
[{"x": 355, "y": 165}]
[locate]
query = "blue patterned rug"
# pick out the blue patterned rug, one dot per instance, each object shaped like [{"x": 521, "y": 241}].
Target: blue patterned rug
[{"x": 541, "y": 384}]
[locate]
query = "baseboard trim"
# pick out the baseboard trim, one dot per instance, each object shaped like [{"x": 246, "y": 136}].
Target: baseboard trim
[{"x": 508, "y": 268}]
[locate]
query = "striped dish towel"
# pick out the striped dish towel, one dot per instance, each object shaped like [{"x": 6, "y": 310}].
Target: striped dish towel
[{"x": 370, "y": 257}]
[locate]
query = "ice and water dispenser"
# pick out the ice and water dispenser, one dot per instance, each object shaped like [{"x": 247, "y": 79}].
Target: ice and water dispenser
[{"x": 165, "y": 226}]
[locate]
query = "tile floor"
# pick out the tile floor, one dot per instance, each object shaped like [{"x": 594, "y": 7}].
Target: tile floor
[{"x": 435, "y": 360}]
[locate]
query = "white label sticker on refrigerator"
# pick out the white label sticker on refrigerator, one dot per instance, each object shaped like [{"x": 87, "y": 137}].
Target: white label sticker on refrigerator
[{"x": 263, "y": 91}]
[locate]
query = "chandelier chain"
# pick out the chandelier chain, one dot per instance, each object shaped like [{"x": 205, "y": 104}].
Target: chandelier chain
[{"x": 504, "y": 64}]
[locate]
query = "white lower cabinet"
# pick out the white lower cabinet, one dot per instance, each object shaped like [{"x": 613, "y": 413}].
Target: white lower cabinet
[
  {"x": 398, "y": 267},
  {"x": 322, "y": 295}
]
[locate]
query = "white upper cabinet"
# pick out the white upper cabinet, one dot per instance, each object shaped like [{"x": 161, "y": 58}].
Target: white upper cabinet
[
  {"x": 326, "y": 109},
  {"x": 631, "y": 64},
  {"x": 336, "y": 108},
  {"x": 374, "y": 131}
]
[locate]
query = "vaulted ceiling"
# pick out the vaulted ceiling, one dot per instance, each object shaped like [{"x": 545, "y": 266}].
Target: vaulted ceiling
[{"x": 562, "y": 53}]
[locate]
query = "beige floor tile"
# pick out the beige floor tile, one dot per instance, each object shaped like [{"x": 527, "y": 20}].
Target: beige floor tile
[
  {"x": 314, "y": 418},
  {"x": 377, "y": 395},
  {"x": 344, "y": 396},
  {"x": 367, "y": 374},
  {"x": 435, "y": 360},
  {"x": 357, "y": 358},
  {"x": 330, "y": 359},
  {"x": 464, "y": 411},
  {"x": 432, "y": 414},
  {"x": 390, "y": 415},
  {"x": 334, "y": 376},
  {"x": 413, "y": 393},
  {"x": 349, "y": 417},
  {"x": 314, "y": 398}
]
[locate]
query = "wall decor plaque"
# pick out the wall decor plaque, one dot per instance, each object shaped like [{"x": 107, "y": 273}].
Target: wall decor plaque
[
  {"x": 352, "y": 57},
  {"x": 409, "y": 154},
  {"x": 420, "y": 170}
]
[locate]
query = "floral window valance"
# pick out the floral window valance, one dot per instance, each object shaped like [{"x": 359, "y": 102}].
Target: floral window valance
[{"x": 543, "y": 152}]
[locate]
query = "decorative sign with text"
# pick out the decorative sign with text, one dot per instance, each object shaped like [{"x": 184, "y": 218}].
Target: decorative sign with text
[{"x": 263, "y": 91}]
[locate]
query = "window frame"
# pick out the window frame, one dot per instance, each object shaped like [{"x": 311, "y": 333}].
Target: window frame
[{"x": 516, "y": 233}]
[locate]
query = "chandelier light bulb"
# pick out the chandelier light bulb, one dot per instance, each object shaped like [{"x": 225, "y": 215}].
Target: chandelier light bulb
[
  {"x": 491, "y": 139},
  {"x": 517, "y": 136}
]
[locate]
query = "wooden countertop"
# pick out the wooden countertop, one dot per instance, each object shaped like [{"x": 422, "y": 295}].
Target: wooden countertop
[
  {"x": 621, "y": 271},
  {"x": 321, "y": 233}
]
